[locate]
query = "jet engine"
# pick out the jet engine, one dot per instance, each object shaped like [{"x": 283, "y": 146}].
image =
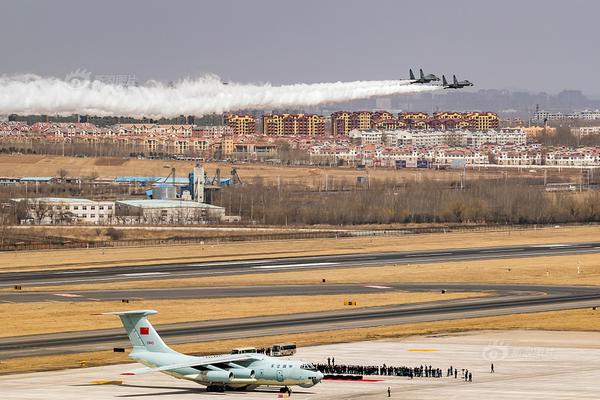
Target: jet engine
[
  {"x": 219, "y": 376},
  {"x": 243, "y": 373}
]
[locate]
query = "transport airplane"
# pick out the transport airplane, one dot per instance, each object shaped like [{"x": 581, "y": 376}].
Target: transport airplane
[{"x": 219, "y": 372}]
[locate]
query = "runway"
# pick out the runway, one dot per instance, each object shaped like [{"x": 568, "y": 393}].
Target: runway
[
  {"x": 233, "y": 267},
  {"x": 76, "y": 342},
  {"x": 204, "y": 292}
]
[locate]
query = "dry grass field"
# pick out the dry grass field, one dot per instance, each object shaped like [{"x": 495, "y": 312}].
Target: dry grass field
[
  {"x": 50, "y": 317},
  {"x": 32, "y": 165},
  {"x": 571, "y": 320},
  {"x": 21, "y": 261}
]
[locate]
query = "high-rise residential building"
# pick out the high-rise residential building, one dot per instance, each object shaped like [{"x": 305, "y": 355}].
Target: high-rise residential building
[
  {"x": 482, "y": 121},
  {"x": 360, "y": 120},
  {"x": 293, "y": 124},
  {"x": 340, "y": 122},
  {"x": 241, "y": 124}
]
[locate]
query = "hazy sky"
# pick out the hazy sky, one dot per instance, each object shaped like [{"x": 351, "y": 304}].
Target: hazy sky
[{"x": 532, "y": 45}]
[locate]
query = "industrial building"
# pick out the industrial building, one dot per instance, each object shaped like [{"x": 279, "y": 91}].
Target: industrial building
[
  {"x": 177, "y": 212},
  {"x": 171, "y": 201}
]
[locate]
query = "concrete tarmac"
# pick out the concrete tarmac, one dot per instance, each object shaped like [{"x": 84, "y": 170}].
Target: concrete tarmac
[{"x": 529, "y": 365}]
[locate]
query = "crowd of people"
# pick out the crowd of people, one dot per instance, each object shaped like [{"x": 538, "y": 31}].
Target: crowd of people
[{"x": 422, "y": 371}]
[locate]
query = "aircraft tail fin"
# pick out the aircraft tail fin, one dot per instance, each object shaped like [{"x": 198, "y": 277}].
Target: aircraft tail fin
[
  {"x": 412, "y": 76},
  {"x": 444, "y": 82},
  {"x": 142, "y": 334},
  {"x": 455, "y": 80},
  {"x": 421, "y": 73}
]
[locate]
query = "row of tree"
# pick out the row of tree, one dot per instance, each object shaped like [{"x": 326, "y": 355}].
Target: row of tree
[{"x": 506, "y": 201}]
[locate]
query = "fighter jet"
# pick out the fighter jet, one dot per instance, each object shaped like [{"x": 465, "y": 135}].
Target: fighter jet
[
  {"x": 455, "y": 84},
  {"x": 422, "y": 77},
  {"x": 219, "y": 372}
]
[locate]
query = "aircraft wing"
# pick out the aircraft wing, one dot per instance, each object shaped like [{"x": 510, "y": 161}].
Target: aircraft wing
[{"x": 201, "y": 361}]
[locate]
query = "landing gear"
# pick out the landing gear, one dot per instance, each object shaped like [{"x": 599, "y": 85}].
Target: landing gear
[
  {"x": 285, "y": 389},
  {"x": 215, "y": 388}
]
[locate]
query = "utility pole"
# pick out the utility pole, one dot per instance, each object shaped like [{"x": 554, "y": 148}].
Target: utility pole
[{"x": 545, "y": 176}]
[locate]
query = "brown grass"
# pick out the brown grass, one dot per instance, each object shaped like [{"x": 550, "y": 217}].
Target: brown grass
[
  {"x": 50, "y": 317},
  {"x": 571, "y": 320},
  {"x": 19, "y": 261},
  {"x": 111, "y": 167}
]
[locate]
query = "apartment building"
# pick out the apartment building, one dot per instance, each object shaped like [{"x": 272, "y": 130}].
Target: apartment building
[
  {"x": 293, "y": 124},
  {"x": 153, "y": 129},
  {"x": 241, "y": 124}
]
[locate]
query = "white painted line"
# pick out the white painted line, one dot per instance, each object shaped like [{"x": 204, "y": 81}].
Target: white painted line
[
  {"x": 75, "y": 272},
  {"x": 67, "y": 295},
  {"x": 500, "y": 251},
  {"x": 294, "y": 265},
  {"x": 217, "y": 263},
  {"x": 146, "y": 274},
  {"x": 377, "y": 287}
]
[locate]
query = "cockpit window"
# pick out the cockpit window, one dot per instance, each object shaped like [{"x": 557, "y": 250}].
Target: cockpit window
[{"x": 309, "y": 367}]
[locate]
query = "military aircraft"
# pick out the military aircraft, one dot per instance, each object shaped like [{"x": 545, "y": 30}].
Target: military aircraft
[
  {"x": 455, "y": 84},
  {"x": 422, "y": 77},
  {"x": 218, "y": 372}
]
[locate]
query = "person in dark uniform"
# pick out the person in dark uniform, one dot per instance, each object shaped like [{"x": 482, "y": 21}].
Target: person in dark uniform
[
  {"x": 492, "y": 368},
  {"x": 470, "y": 377},
  {"x": 389, "y": 392}
]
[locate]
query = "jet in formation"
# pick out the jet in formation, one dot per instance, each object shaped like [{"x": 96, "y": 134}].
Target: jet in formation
[
  {"x": 219, "y": 372},
  {"x": 456, "y": 84},
  {"x": 422, "y": 77}
]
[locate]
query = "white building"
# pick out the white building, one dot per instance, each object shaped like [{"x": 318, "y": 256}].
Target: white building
[
  {"x": 368, "y": 136},
  {"x": 166, "y": 212},
  {"x": 503, "y": 136},
  {"x": 58, "y": 210},
  {"x": 589, "y": 115},
  {"x": 585, "y": 131}
]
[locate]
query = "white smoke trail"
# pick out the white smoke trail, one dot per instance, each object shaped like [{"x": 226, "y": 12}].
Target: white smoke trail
[{"x": 31, "y": 94}]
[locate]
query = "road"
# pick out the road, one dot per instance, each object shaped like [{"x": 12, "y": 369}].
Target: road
[
  {"x": 219, "y": 268},
  {"x": 516, "y": 299}
]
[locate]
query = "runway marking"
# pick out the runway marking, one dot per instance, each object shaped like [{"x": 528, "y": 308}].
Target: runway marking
[
  {"x": 422, "y": 350},
  {"x": 378, "y": 287},
  {"x": 67, "y": 295},
  {"x": 217, "y": 263},
  {"x": 428, "y": 254},
  {"x": 75, "y": 272},
  {"x": 145, "y": 274},
  {"x": 294, "y": 265},
  {"x": 500, "y": 251}
]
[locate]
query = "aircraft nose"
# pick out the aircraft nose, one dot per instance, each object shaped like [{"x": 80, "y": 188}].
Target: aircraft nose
[{"x": 320, "y": 375}]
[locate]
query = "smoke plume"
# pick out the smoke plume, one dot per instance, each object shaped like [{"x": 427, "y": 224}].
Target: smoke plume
[{"x": 31, "y": 94}]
